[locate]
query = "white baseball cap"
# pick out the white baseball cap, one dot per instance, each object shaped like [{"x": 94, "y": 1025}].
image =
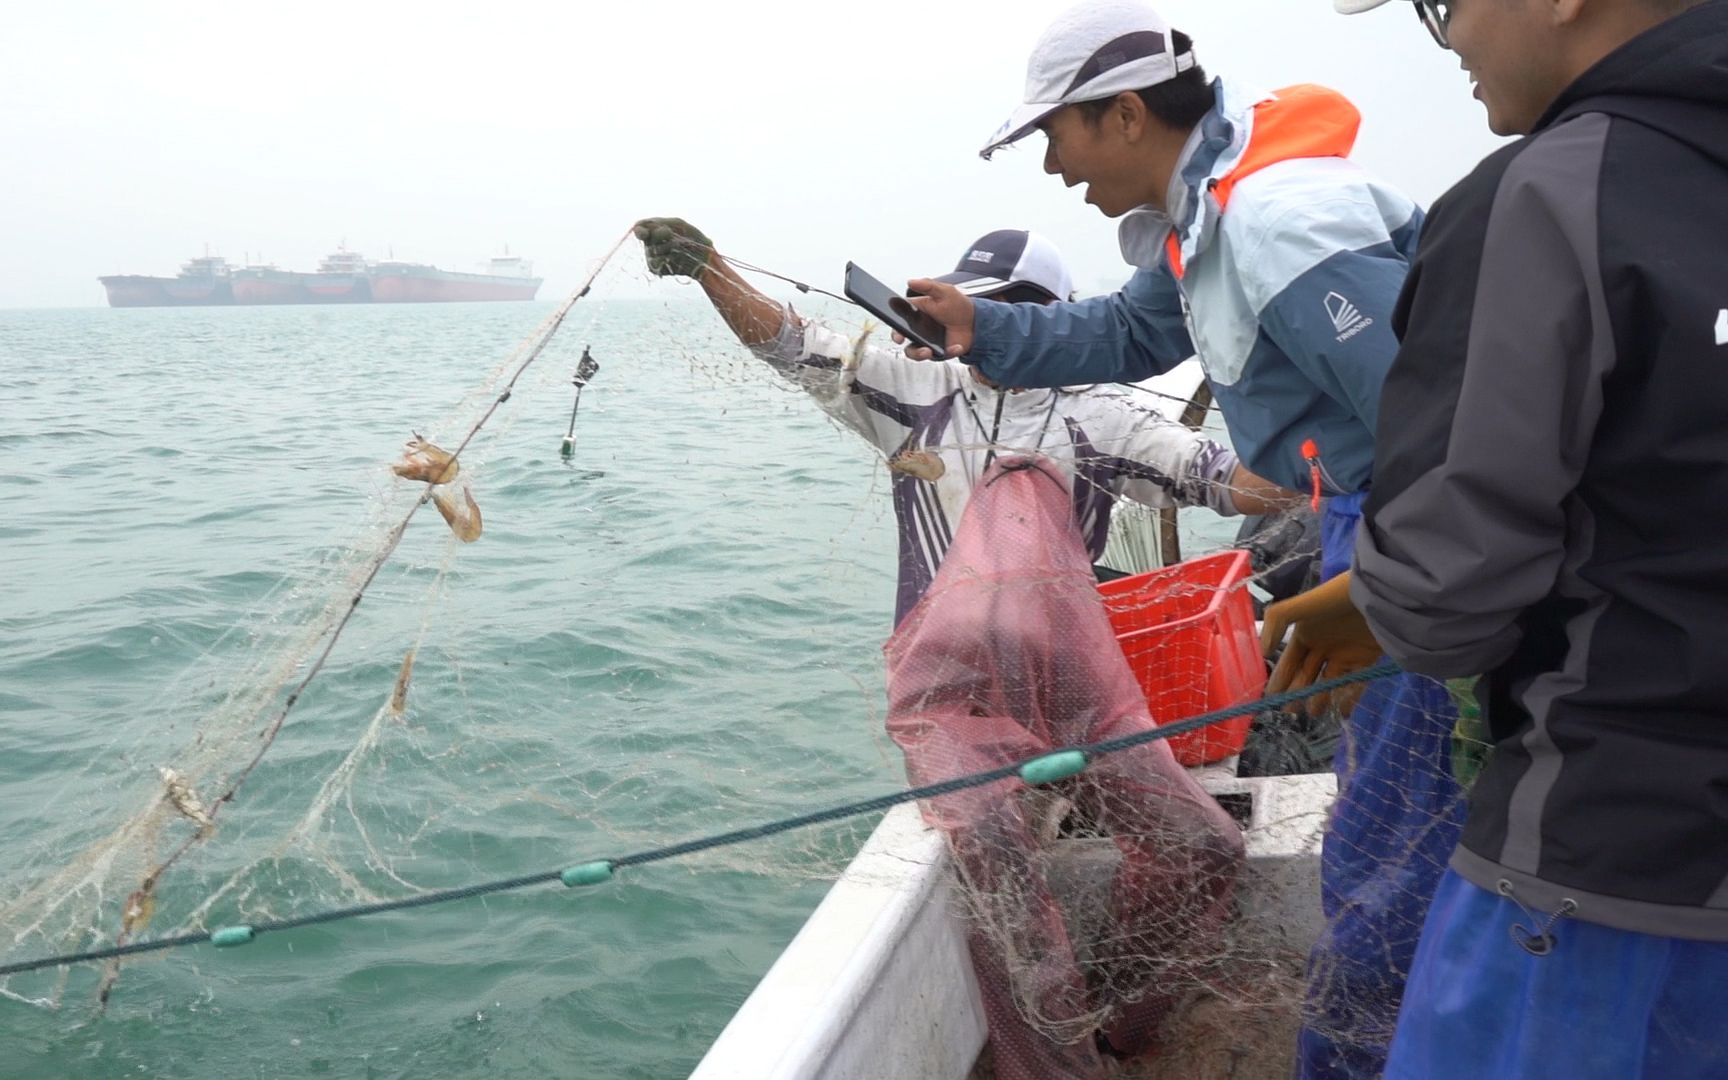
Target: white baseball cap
[
  {"x": 1091, "y": 52},
  {"x": 1357, "y": 7},
  {"x": 1011, "y": 257}
]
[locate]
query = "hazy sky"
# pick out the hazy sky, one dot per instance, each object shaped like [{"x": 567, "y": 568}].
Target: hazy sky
[{"x": 798, "y": 134}]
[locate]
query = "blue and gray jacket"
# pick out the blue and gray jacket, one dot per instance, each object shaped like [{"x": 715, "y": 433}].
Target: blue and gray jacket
[{"x": 1278, "y": 265}]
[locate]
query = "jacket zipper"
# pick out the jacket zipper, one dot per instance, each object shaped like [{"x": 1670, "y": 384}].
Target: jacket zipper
[{"x": 1311, "y": 454}]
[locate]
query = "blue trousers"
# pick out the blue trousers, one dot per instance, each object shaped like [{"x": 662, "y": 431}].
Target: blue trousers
[
  {"x": 1395, "y": 822},
  {"x": 1604, "y": 1004}
]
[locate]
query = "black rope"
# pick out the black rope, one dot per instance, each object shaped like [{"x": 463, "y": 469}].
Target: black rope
[
  {"x": 802, "y": 287},
  {"x": 995, "y": 427},
  {"x": 739, "y": 836}
]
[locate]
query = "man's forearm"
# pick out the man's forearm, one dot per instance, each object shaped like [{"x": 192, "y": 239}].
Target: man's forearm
[
  {"x": 754, "y": 318},
  {"x": 1253, "y": 494},
  {"x": 1129, "y": 335}
]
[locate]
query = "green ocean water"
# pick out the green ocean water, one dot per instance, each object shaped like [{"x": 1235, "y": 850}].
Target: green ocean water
[{"x": 675, "y": 633}]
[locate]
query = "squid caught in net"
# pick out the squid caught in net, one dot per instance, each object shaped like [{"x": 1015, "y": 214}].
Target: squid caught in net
[
  {"x": 426, "y": 462},
  {"x": 463, "y": 518},
  {"x": 431, "y": 464}
]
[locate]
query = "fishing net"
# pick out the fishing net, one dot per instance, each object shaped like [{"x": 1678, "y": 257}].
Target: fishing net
[
  {"x": 1010, "y": 656},
  {"x": 486, "y": 699},
  {"x": 380, "y": 686}
]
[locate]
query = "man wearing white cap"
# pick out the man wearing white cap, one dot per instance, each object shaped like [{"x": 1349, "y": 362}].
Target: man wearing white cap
[
  {"x": 1546, "y": 514},
  {"x": 1258, "y": 245},
  {"x": 938, "y": 424}
]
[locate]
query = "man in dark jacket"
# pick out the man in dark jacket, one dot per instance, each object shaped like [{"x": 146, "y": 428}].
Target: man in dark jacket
[{"x": 1551, "y": 458}]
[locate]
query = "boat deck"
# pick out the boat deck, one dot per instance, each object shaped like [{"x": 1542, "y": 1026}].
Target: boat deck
[{"x": 878, "y": 982}]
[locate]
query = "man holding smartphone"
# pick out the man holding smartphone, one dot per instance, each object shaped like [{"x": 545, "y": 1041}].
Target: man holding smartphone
[
  {"x": 938, "y": 424},
  {"x": 1260, "y": 246}
]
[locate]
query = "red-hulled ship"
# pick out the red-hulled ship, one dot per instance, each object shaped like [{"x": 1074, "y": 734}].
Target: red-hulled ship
[
  {"x": 267, "y": 285},
  {"x": 508, "y": 278},
  {"x": 202, "y": 282},
  {"x": 342, "y": 277}
]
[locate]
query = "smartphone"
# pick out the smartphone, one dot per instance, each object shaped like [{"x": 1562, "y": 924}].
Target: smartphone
[{"x": 892, "y": 308}]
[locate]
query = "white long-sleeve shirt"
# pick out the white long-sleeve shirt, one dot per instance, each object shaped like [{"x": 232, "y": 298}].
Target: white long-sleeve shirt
[{"x": 936, "y": 424}]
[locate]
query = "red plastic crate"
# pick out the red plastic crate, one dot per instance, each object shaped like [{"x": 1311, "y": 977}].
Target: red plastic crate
[{"x": 1188, "y": 633}]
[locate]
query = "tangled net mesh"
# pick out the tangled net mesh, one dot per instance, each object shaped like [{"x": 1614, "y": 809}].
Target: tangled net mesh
[{"x": 1110, "y": 914}]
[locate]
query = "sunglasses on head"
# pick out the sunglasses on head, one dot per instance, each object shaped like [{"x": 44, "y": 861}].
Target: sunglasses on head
[{"x": 1436, "y": 15}]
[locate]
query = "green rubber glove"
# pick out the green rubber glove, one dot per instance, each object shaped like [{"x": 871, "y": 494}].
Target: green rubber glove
[
  {"x": 1470, "y": 745},
  {"x": 674, "y": 246}
]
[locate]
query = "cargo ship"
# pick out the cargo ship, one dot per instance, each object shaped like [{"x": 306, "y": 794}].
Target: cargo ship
[
  {"x": 203, "y": 281},
  {"x": 343, "y": 277},
  {"x": 508, "y": 277}
]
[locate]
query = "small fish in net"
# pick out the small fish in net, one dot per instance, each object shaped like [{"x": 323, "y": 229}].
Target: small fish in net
[
  {"x": 855, "y": 355},
  {"x": 178, "y": 791},
  {"x": 134, "y": 917},
  {"x": 399, "y": 693},
  {"x": 139, "y": 907}
]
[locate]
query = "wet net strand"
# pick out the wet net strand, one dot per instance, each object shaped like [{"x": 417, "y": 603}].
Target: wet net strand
[{"x": 727, "y": 839}]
